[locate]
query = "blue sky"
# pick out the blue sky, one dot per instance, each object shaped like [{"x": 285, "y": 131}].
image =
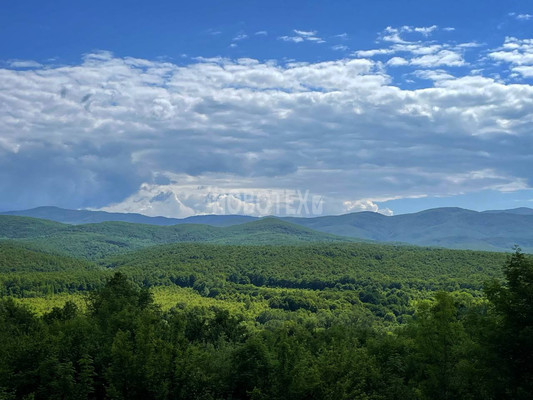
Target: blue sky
[
  {"x": 64, "y": 30},
  {"x": 179, "y": 108}
]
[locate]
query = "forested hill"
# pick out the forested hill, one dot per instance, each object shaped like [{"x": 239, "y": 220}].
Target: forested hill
[
  {"x": 315, "y": 266},
  {"x": 94, "y": 241},
  {"x": 455, "y": 228},
  {"x": 16, "y": 257}
]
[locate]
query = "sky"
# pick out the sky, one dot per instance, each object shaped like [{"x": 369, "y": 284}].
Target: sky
[{"x": 307, "y": 108}]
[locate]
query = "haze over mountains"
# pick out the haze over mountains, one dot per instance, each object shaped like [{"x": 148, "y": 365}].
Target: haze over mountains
[{"x": 496, "y": 230}]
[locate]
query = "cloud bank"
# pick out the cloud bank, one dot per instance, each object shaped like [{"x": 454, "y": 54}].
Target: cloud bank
[{"x": 129, "y": 134}]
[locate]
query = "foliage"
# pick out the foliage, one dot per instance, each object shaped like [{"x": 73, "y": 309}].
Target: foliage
[
  {"x": 314, "y": 278},
  {"x": 313, "y": 321},
  {"x": 513, "y": 307}
]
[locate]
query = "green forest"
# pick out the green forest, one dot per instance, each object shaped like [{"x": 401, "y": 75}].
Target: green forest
[{"x": 244, "y": 319}]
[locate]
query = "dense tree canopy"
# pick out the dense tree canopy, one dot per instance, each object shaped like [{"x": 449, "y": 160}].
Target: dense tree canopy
[{"x": 330, "y": 321}]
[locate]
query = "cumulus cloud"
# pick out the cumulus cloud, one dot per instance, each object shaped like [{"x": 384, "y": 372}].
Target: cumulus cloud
[
  {"x": 525, "y": 71},
  {"x": 518, "y": 53},
  {"x": 365, "y": 205},
  {"x": 235, "y": 132},
  {"x": 397, "y": 61},
  {"x": 184, "y": 196},
  {"x": 515, "y": 51},
  {"x": 419, "y": 53}
]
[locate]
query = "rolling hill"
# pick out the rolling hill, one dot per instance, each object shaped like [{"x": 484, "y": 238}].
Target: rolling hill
[
  {"x": 94, "y": 241},
  {"x": 16, "y": 257}
]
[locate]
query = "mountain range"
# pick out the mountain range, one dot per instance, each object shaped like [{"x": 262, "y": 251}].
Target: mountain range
[{"x": 457, "y": 228}]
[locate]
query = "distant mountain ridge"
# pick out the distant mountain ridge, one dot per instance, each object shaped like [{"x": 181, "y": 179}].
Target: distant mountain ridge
[
  {"x": 518, "y": 211},
  {"x": 78, "y": 217},
  {"x": 455, "y": 228},
  {"x": 451, "y": 227}
]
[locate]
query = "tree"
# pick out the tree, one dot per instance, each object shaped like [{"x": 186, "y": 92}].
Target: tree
[
  {"x": 438, "y": 336},
  {"x": 513, "y": 307}
]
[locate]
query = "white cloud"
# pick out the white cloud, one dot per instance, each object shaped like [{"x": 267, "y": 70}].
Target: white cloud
[
  {"x": 515, "y": 51},
  {"x": 315, "y": 39},
  {"x": 521, "y": 17},
  {"x": 429, "y": 56},
  {"x": 417, "y": 48},
  {"x": 365, "y": 205},
  {"x": 444, "y": 57},
  {"x": 469, "y": 45},
  {"x": 295, "y": 39},
  {"x": 392, "y": 34},
  {"x": 373, "y": 52},
  {"x": 339, "y": 47},
  {"x": 425, "y": 30},
  {"x": 240, "y": 36},
  {"x": 24, "y": 64},
  {"x": 305, "y": 33},
  {"x": 420, "y": 53},
  {"x": 302, "y": 36},
  {"x": 107, "y": 129},
  {"x": 525, "y": 71},
  {"x": 261, "y": 33},
  {"x": 184, "y": 197},
  {"x": 397, "y": 61}
]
